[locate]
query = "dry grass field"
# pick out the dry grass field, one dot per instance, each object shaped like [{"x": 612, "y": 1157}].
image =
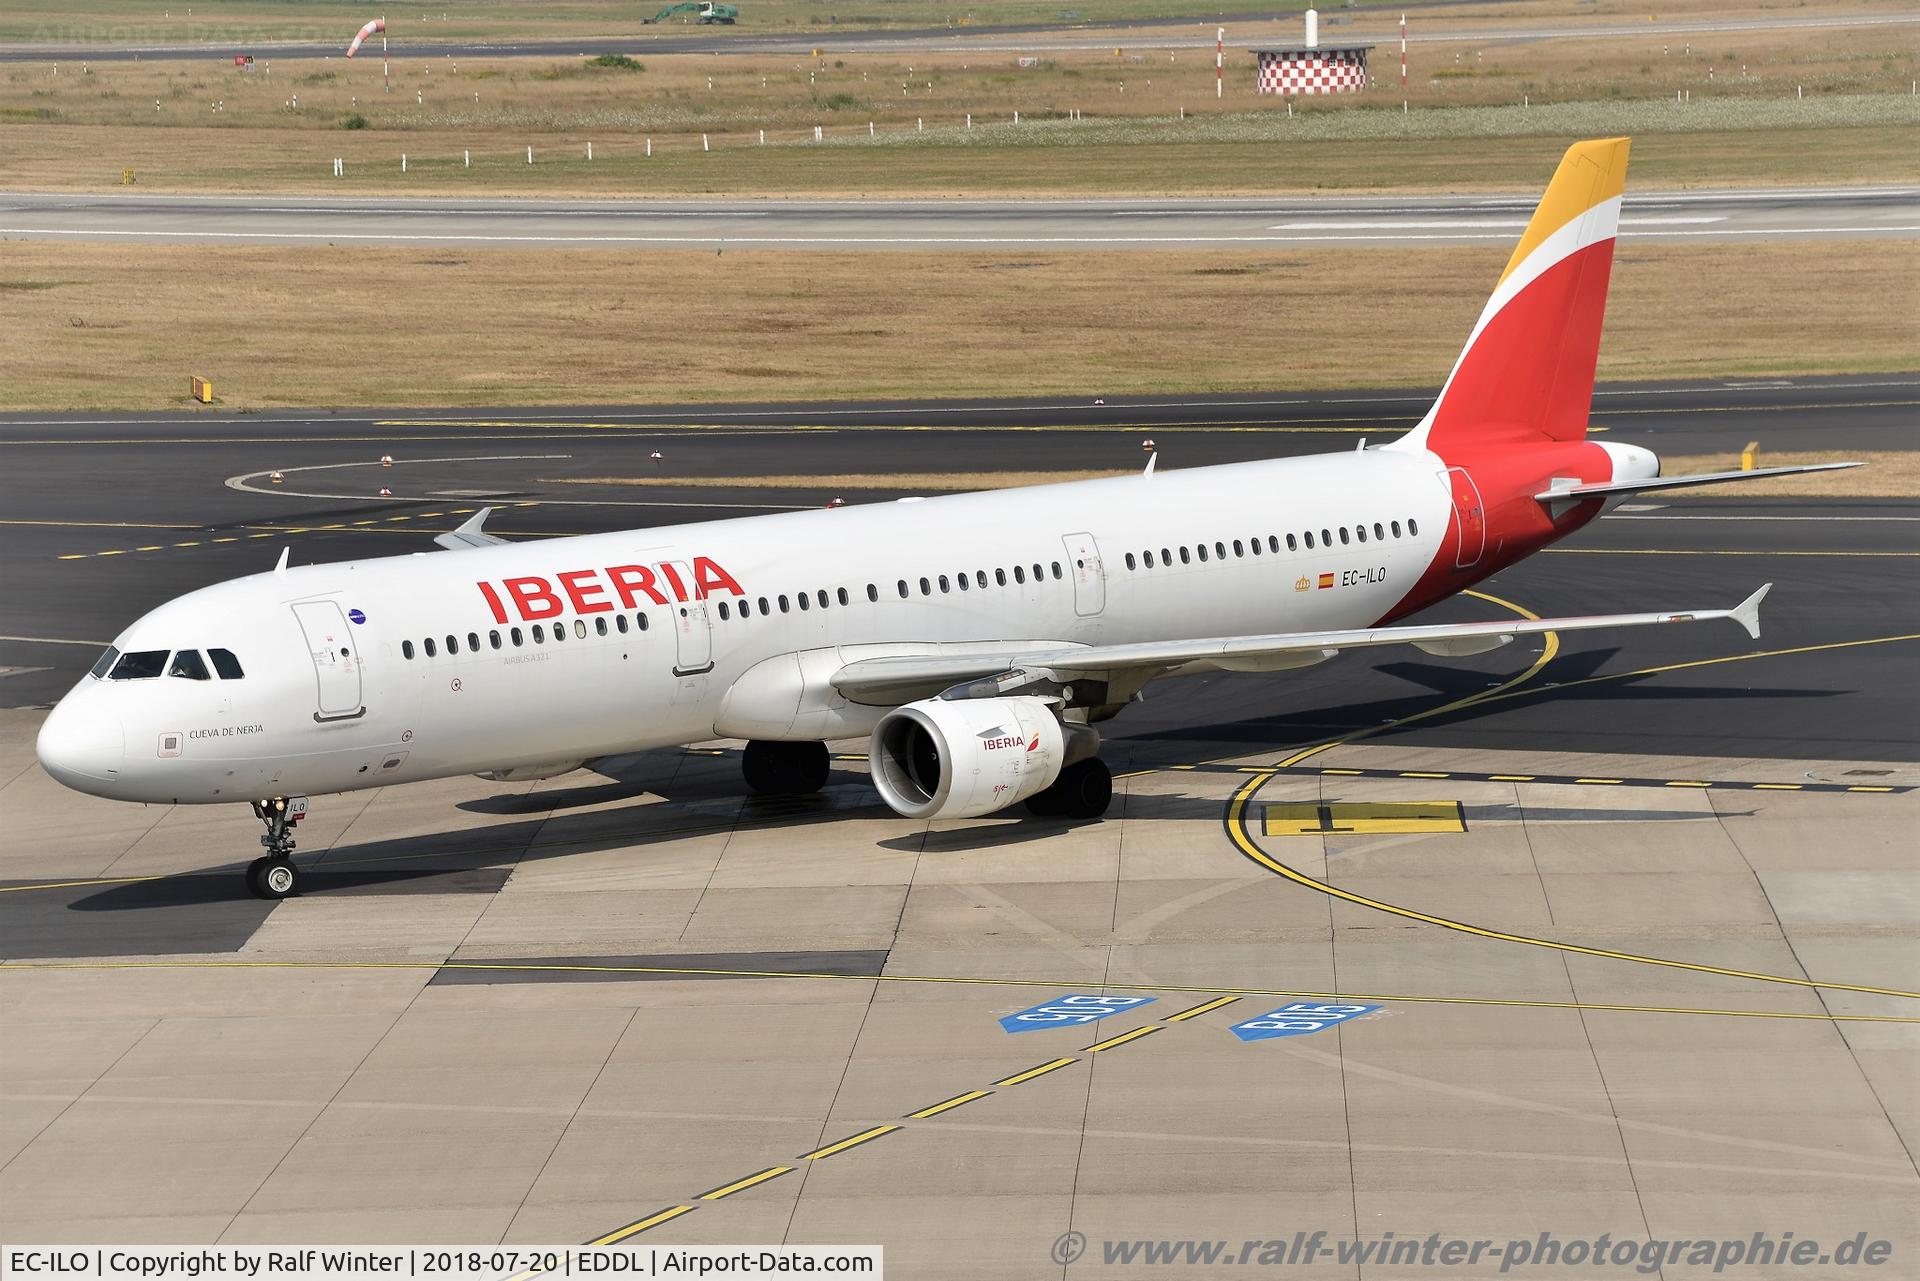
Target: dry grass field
[
  {"x": 113, "y": 327},
  {"x": 421, "y": 23},
  {"x": 1145, "y": 121}
]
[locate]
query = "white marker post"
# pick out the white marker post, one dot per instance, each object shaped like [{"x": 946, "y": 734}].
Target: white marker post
[
  {"x": 529, "y": 155},
  {"x": 1219, "y": 62}
]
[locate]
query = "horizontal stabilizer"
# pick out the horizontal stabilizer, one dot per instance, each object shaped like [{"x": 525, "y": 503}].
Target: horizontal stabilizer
[
  {"x": 470, "y": 534},
  {"x": 1600, "y": 489}
]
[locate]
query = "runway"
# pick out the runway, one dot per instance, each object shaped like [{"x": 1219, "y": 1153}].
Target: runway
[
  {"x": 1620, "y": 929},
  {"x": 1023, "y": 38},
  {"x": 1786, "y": 214}
]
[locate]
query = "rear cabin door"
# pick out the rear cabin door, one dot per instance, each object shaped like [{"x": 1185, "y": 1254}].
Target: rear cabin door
[
  {"x": 336, "y": 665},
  {"x": 1469, "y": 518},
  {"x": 1089, "y": 578},
  {"x": 692, "y": 630}
]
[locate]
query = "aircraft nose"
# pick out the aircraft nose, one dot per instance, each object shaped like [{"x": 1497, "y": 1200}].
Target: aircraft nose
[{"x": 82, "y": 746}]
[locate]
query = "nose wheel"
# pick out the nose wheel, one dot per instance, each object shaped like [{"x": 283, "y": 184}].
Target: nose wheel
[{"x": 273, "y": 875}]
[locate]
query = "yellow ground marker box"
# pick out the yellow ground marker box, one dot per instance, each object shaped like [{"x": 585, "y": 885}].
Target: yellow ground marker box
[
  {"x": 1343, "y": 818},
  {"x": 202, "y": 390}
]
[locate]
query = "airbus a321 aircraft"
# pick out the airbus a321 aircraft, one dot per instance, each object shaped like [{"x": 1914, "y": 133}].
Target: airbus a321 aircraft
[{"x": 976, "y": 638}]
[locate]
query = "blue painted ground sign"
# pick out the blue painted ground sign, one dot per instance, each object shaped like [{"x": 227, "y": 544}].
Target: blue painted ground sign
[
  {"x": 1075, "y": 1009},
  {"x": 1298, "y": 1018}
]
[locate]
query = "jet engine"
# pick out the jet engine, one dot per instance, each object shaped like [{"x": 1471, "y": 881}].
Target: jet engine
[{"x": 961, "y": 758}]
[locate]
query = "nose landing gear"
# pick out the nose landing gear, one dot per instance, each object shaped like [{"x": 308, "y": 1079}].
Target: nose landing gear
[{"x": 273, "y": 875}]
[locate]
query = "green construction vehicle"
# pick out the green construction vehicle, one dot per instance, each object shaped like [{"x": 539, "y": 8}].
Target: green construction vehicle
[{"x": 704, "y": 12}]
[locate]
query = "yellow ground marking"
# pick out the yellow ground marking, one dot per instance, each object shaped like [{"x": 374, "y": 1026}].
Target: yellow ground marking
[
  {"x": 1020, "y": 1078},
  {"x": 651, "y": 1221},
  {"x": 1411, "y": 773},
  {"x": 1686, "y": 782},
  {"x": 947, "y": 1105},
  {"x": 955, "y": 980},
  {"x": 1550, "y": 648},
  {"x": 1770, "y": 787},
  {"x": 1599, "y": 780},
  {"x": 1869, "y": 789},
  {"x": 73, "y": 885},
  {"x": 1206, "y": 1007},
  {"x": 1237, "y": 832},
  {"x": 741, "y": 1185},
  {"x": 1510, "y": 778},
  {"x": 154, "y": 547},
  {"x": 851, "y": 1141},
  {"x": 1501, "y": 694},
  {"x": 1114, "y": 1042},
  {"x": 1321, "y": 818}
]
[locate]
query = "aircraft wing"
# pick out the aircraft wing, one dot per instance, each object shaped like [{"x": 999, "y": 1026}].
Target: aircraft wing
[
  {"x": 902, "y": 679},
  {"x": 470, "y": 533}
]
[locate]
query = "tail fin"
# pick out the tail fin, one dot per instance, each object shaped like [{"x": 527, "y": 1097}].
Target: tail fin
[{"x": 1526, "y": 374}]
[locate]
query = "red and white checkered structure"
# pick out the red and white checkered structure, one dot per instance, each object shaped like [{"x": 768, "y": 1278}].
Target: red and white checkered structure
[{"x": 1300, "y": 72}]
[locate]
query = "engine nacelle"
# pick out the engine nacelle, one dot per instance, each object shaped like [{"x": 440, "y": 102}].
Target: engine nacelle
[
  {"x": 528, "y": 773},
  {"x": 965, "y": 757}
]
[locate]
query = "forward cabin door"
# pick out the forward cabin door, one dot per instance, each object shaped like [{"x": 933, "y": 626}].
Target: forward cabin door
[
  {"x": 1089, "y": 579},
  {"x": 1469, "y": 519},
  {"x": 336, "y": 667},
  {"x": 692, "y": 630}
]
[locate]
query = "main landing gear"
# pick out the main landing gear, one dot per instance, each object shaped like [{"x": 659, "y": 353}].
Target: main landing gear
[
  {"x": 1083, "y": 790},
  {"x": 273, "y": 875},
  {"x": 785, "y": 769}
]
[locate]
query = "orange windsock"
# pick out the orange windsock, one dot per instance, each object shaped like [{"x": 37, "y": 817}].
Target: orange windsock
[{"x": 371, "y": 29}]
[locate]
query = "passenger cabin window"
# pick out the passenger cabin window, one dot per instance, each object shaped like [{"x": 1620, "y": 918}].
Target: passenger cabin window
[
  {"x": 1396, "y": 529},
  {"x": 539, "y": 638},
  {"x": 141, "y": 665},
  {"x": 840, "y": 594},
  {"x": 1413, "y": 526},
  {"x": 1292, "y": 545},
  {"x": 642, "y": 618},
  {"x": 1129, "y": 560},
  {"x": 1343, "y": 535},
  {"x": 427, "y": 644},
  {"x": 517, "y": 637},
  {"x": 1202, "y": 550},
  {"x": 406, "y": 650},
  {"x": 1019, "y": 574},
  {"x": 1378, "y": 532},
  {"x": 188, "y": 664},
  {"x": 1360, "y": 532},
  {"x": 620, "y": 621}
]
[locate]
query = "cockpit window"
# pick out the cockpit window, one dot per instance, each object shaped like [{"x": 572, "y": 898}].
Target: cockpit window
[
  {"x": 188, "y": 663},
  {"x": 105, "y": 665},
  {"x": 142, "y": 665},
  {"x": 226, "y": 664}
]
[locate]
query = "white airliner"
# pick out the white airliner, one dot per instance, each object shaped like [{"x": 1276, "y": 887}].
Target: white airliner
[{"x": 976, "y": 638}]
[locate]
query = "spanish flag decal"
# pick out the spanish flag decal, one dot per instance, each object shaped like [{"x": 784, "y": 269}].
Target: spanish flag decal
[{"x": 1326, "y": 581}]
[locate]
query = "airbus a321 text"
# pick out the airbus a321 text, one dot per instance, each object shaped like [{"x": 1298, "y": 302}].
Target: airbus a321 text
[{"x": 977, "y": 639}]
